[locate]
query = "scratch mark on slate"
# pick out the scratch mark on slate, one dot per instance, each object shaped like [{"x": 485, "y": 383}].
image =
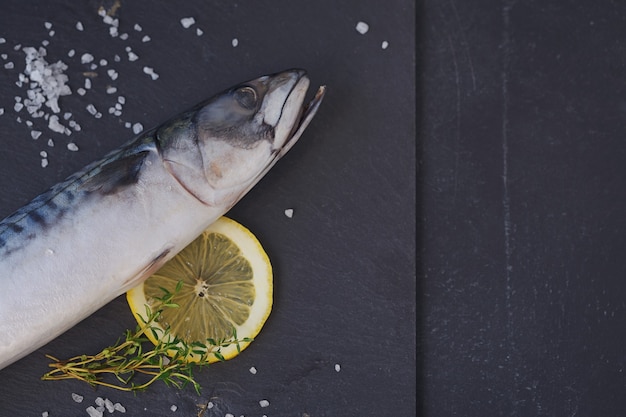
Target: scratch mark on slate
[
  {"x": 458, "y": 119},
  {"x": 465, "y": 44},
  {"x": 506, "y": 199}
]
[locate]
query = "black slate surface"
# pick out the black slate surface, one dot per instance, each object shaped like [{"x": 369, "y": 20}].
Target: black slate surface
[
  {"x": 345, "y": 279},
  {"x": 523, "y": 191}
]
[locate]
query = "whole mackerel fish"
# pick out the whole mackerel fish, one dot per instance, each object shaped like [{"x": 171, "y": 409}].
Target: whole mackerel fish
[{"x": 109, "y": 226}]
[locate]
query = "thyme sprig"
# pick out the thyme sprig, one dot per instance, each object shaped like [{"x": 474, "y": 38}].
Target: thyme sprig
[{"x": 129, "y": 366}]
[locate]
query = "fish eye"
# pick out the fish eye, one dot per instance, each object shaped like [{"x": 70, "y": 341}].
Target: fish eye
[{"x": 246, "y": 97}]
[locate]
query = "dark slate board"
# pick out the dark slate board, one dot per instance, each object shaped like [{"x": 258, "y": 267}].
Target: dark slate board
[
  {"x": 523, "y": 190},
  {"x": 344, "y": 264}
]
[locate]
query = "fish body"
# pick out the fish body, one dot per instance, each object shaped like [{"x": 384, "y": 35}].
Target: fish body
[{"x": 109, "y": 226}]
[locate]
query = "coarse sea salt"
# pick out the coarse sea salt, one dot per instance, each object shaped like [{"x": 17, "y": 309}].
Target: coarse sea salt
[
  {"x": 86, "y": 58},
  {"x": 187, "y": 22},
  {"x": 174, "y": 407},
  {"x": 137, "y": 128},
  {"x": 289, "y": 212},
  {"x": 253, "y": 370},
  {"x": 72, "y": 147},
  {"x": 235, "y": 42},
  {"x": 79, "y": 26},
  {"x": 337, "y": 367},
  {"x": 384, "y": 45},
  {"x": 264, "y": 403},
  {"x": 150, "y": 72},
  {"x": 146, "y": 38},
  {"x": 93, "y": 412},
  {"x": 362, "y": 27}
]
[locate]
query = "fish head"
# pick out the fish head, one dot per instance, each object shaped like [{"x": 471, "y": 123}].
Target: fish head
[{"x": 224, "y": 146}]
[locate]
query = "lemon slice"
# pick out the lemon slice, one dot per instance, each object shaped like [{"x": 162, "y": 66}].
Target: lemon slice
[{"x": 226, "y": 289}]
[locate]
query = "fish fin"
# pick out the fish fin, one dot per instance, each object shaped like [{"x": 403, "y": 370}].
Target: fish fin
[
  {"x": 153, "y": 266},
  {"x": 116, "y": 174}
]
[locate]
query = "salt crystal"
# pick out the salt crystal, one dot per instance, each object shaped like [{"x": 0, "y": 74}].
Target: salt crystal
[
  {"x": 128, "y": 125},
  {"x": 87, "y": 83},
  {"x": 235, "y": 42},
  {"x": 252, "y": 370},
  {"x": 45, "y": 42},
  {"x": 45, "y": 413},
  {"x": 54, "y": 125},
  {"x": 210, "y": 405},
  {"x": 9, "y": 65},
  {"x": 173, "y": 407},
  {"x": 132, "y": 56},
  {"x": 137, "y": 27},
  {"x": 117, "y": 58},
  {"x": 18, "y": 106},
  {"x": 113, "y": 31},
  {"x": 1, "y": 111},
  {"x": 51, "y": 34},
  {"x": 17, "y": 47},
  {"x": 72, "y": 147},
  {"x": 43, "y": 154},
  {"x": 98, "y": 115},
  {"x": 289, "y": 212},
  {"x": 2, "y": 40},
  {"x": 187, "y": 22},
  {"x": 92, "y": 109},
  {"x": 137, "y": 128},
  {"x": 199, "y": 32},
  {"x": 228, "y": 415},
  {"x": 93, "y": 67},
  {"x": 86, "y": 58},
  {"x": 79, "y": 26},
  {"x": 67, "y": 115},
  {"x": 117, "y": 113},
  {"x": 71, "y": 53},
  {"x": 119, "y": 407},
  {"x": 81, "y": 91},
  {"x": 121, "y": 99},
  {"x": 145, "y": 39},
  {"x": 109, "y": 405},
  {"x": 103, "y": 62},
  {"x": 47, "y": 25},
  {"x": 337, "y": 367},
  {"x": 93, "y": 412},
  {"x": 111, "y": 90},
  {"x": 150, "y": 72},
  {"x": 29, "y": 123},
  {"x": 384, "y": 45},
  {"x": 51, "y": 144},
  {"x": 362, "y": 28},
  {"x": 124, "y": 36},
  {"x": 4, "y": 56},
  {"x": 35, "y": 134},
  {"x": 117, "y": 106},
  {"x": 112, "y": 74},
  {"x": 102, "y": 12},
  {"x": 264, "y": 403},
  {"x": 99, "y": 401}
]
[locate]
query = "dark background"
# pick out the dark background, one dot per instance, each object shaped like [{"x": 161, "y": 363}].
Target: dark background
[
  {"x": 523, "y": 138},
  {"x": 345, "y": 281}
]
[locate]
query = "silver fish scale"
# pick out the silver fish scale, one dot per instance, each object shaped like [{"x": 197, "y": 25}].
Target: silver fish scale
[{"x": 58, "y": 201}]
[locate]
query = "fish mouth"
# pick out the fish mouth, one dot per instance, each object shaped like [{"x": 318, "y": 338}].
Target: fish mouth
[{"x": 306, "y": 114}]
